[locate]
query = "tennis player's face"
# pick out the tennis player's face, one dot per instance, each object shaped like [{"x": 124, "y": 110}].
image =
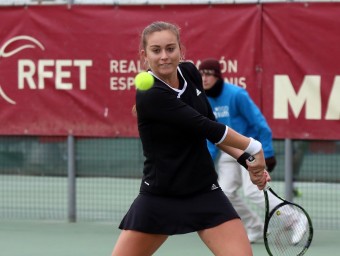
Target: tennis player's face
[
  {"x": 208, "y": 80},
  {"x": 163, "y": 53}
]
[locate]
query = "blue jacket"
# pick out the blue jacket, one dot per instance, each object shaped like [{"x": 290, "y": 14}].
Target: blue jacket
[{"x": 235, "y": 108}]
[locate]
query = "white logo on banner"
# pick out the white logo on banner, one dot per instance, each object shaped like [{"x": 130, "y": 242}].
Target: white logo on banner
[
  {"x": 5, "y": 54},
  {"x": 33, "y": 73}
]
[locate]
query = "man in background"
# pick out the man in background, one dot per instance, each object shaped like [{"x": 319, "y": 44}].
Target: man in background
[{"x": 233, "y": 106}]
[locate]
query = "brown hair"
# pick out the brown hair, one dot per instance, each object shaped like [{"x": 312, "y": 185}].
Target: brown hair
[{"x": 158, "y": 26}]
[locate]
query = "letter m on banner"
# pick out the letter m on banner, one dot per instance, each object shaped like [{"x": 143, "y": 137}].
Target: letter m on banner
[{"x": 309, "y": 95}]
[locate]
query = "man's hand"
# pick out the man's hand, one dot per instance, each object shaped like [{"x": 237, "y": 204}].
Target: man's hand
[{"x": 270, "y": 163}]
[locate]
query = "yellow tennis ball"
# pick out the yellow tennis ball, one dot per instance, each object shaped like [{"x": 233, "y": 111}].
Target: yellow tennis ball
[
  {"x": 144, "y": 81},
  {"x": 278, "y": 213}
]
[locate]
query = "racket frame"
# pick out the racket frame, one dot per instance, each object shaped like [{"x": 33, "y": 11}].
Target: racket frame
[{"x": 268, "y": 215}]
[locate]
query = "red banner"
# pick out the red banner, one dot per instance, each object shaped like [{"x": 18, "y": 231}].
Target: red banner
[
  {"x": 70, "y": 71},
  {"x": 301, "y": 70}
]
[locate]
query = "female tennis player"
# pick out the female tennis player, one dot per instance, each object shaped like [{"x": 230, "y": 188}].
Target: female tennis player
[{"x": 179, "y": 192}]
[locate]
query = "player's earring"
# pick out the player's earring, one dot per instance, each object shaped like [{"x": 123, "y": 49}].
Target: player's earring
[{"x": 146, "y": 64}]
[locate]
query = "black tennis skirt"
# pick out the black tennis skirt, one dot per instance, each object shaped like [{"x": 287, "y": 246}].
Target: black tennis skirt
[{"x": 178, "y": 215}]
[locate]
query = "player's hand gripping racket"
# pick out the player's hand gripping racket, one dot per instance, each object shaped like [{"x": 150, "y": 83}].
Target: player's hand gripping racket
[{"x": 288, "y": 229}]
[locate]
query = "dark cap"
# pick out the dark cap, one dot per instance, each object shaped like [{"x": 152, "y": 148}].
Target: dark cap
[{"x": 211, "y": 66}]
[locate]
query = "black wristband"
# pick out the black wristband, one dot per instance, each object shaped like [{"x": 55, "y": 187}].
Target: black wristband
[{"x": 242, "y": 159}]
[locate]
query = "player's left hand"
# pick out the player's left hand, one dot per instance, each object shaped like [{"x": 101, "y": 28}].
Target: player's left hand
[
  {"x": 263, "y": 180},
  {"x": 267, "y": 176}
]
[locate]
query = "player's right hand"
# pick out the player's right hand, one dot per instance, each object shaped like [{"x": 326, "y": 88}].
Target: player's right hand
[{"x": 256, "y": 170}]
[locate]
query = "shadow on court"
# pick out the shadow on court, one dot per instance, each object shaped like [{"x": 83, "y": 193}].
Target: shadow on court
[{"x": 40, "y": 238}]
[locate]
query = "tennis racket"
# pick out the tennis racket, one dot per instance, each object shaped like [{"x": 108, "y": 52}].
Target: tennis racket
[{"x": 288, "y": 229}]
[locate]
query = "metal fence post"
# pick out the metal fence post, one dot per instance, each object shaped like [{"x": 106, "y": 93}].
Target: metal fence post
[
  {"x": 288, "y": 169},
  {"x": 71, "y": 179}
]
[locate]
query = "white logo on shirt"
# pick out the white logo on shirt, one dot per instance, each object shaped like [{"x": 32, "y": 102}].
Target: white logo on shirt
[
  {"x": 146, "y": 183},
  {"x": 213, "y": 187},
  {"x": 221, "y": 111},
  {"x": 198, "y": 92}
]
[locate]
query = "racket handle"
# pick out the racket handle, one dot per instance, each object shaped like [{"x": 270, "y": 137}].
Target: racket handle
[
  {"x": 242, "y": 161},
  {"x": 267, "y": 186}
]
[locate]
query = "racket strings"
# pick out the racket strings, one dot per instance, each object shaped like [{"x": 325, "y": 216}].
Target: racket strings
[{"x": 288, "y": 231}]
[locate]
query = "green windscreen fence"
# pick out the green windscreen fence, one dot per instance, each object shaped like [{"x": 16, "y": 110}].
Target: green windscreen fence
[{"x": 34, "y": 178}]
